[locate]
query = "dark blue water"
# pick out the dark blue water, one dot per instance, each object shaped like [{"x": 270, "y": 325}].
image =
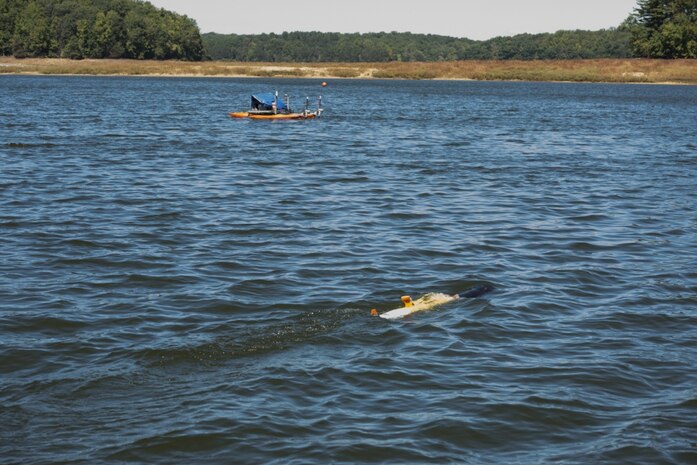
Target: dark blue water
[{"x": 180, "y": 287}]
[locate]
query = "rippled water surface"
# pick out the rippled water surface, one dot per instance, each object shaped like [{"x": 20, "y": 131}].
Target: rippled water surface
[{"x": 180, "y": 287}]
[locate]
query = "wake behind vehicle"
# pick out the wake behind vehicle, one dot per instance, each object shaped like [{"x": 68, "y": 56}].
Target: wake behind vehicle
[{"x": 269, "y": 106}]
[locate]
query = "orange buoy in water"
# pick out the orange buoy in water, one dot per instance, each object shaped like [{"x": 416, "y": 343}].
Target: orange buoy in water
[
  {"x": 324, "y": 84},
  {"x": 374, "y": 312}
]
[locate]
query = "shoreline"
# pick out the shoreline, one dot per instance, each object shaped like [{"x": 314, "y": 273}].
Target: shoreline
[
  {"x": 231, "y": 76},
  {"x": 620, "y": 71}
]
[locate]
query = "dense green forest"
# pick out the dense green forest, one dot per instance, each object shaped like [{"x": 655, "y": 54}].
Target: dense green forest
[
  {"x": 404, "y": 46},
  {"x": 137, "y": 29},
  {"x": 664, "y": 29},
  {"x": 96, "y": 29},
  {"x": 656, "y": 29}
]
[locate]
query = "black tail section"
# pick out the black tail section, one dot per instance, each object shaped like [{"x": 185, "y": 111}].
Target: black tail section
[{"x": 477, "y": 291}]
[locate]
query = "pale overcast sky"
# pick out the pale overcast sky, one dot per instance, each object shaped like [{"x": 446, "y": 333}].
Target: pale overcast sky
[{"x": 475, "y": 19}]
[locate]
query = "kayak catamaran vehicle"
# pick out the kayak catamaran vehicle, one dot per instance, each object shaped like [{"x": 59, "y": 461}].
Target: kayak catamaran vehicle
[
  {"x": 430, "y": 301},
  {"x": 269, "y": 106}
]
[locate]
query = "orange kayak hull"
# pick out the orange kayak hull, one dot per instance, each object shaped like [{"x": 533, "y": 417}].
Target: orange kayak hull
[
  {"x": 246, "y": 114},
  {"x": 283, "y": 116}
]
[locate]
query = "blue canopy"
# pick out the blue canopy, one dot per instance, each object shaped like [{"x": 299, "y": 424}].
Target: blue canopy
[{"x": 265, "y": 101}]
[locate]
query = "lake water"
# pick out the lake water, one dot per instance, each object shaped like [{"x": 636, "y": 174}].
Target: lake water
[{"x": 180, "y": 287}]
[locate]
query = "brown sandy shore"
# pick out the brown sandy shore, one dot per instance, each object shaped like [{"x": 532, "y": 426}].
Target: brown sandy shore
[{"x": 603, "y": 70}]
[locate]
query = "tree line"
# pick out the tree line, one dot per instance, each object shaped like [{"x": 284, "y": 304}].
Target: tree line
[
  {"x": 137, "y": 29},
  {"x": 405, "y": 46},
  {"x": 96, "y": 29},
  {"x": 656, "y": 29}
]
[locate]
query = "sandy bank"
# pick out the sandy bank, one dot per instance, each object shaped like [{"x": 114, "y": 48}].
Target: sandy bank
[{"x": 605, "y": 70}]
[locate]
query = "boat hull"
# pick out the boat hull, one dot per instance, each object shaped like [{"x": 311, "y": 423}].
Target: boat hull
[
  {"x": 284, "y": 116},
  {"x": 246, "y": 114},
  {"x": 427, "y": 302}
]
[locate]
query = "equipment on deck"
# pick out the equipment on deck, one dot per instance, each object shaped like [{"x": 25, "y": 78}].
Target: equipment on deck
[
  {"x": 268, "y": 106},
  {"x": 430, "y": 301}
]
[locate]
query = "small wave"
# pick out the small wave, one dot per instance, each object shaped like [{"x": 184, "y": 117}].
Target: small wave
[
  {"x": 456, "y": 144},
  {"x": 149, "y": 449},
  {"x": 108, "y": 262},
  {"x": 229, "y": 265},
  {"x": 348, "y": 180},
  {"x": 42, "y": 324},
  {"x": 161, "y": 216},
  {"x": 23, "y": 145},
  {"x": 158, "y": 281},
  {"x": 627, "y": 321},
  {"x": 630, "y": 454},
  {"x": 81, "y": 243},
  {"x": 76, "y": 199},
  {"x": 582, "y": 246},
  {"x": 590, "y": 218},
  {"x": 398, "y": 216}
]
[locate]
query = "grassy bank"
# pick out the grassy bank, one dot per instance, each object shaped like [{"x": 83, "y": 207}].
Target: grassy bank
[{"x": 602, "y": 70}]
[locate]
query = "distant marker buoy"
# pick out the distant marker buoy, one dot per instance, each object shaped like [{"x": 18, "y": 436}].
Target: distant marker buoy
[
  {"x": 324, "y": 84},
  {"x": 374, "y": 312}
]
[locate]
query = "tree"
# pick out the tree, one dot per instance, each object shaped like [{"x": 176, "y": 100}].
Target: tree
[
  {"x": 96, "y": 29},
  {"x": 664, "y": 29},
  {"x": 32, "y": 36},
  {"x": 104, "y": 34},
  {"x": 9, "y": 10}
]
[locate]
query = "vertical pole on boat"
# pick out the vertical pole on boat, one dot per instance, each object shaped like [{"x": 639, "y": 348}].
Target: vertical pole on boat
[
  {"x": 307, "y": 103},
  {"x": 287, "y": 102},
  {"x": 319, "y": 104},
  {"x": 275, "y": 103}
]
